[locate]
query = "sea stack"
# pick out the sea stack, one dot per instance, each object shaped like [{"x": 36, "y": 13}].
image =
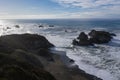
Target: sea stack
[{"x": 96, "y": 37}]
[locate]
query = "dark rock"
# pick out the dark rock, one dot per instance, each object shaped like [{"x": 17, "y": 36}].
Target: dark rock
[
  {"x": 66, "y": 30},
  {"x": 71, "y": 61},
  {"x": 75, "y": 42},
  {"x": 32, "y": 43},
  {"x": 100, "y": 37},
  {"x": 82, "y": 40},
  {"x": 41, "y": 26},
  {"x": 85, "y": 43},
  {"x": 20, "y": 57},
  {"x": 82, "y": 36},
  {"x": 97, "y": 37},
  {"x": 17, "y": 26},
  {"x": 112, "y": 34},
  {"x": 28, "y": 42},
  {"x": 8, "y": 28}
]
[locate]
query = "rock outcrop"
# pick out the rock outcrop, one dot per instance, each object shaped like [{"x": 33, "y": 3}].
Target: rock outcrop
[
  {"x": 82, "y": 40},
  {"x": 96, "y": 37},
  {"x": 100, "y": 37},
  {"x": 27, "y": 42},
  {"x": 19, "y": 57}
]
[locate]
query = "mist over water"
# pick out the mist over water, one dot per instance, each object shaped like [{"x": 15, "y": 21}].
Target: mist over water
[{"x": 100, "y": 60}]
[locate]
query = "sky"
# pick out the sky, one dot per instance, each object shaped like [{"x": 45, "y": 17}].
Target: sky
[{"x": 50, "y": 9}]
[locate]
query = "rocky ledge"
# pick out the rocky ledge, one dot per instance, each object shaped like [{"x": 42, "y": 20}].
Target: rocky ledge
[
  {"x": 96, "y": 37},
  {"x": 27, "y": 57}
]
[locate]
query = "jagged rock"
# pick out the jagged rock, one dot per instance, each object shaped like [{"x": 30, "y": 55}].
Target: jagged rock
[
  {"x": 82, "y": 40},
  {"x": 97, "y": 37},
  {"x": 82, "y": 36},
  {"x": 100, "y": 37}
]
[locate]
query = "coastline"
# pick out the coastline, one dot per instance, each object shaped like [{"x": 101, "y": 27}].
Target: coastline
[
  {"x": 68, "y": 68},
  {"x": 21, "y": 55}
]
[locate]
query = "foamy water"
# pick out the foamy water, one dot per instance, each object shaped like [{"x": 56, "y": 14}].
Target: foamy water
[{"x": 101, "y": 60}]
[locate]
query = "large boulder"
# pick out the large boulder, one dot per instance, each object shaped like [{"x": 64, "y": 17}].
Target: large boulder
[{"x": 100, "y": 37}]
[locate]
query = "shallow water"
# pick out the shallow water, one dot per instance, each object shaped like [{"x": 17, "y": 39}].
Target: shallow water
[{"x": 100, "y": 60}]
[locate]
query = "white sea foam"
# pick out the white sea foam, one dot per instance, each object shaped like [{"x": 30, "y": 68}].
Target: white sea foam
[
  {"x": 83, "y": 62},
  {"x": 102, "y": 61},
  {"x": 93, "y": 61}
]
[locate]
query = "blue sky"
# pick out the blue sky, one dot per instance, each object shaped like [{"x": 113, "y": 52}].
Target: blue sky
[{"x": 42, "y": 9}]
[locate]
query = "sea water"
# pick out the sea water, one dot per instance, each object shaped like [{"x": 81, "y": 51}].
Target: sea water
[{"x": 102, "y": 60}]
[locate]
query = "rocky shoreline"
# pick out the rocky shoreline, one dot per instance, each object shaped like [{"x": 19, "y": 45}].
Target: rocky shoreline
[{"x": 28, "y": 57}]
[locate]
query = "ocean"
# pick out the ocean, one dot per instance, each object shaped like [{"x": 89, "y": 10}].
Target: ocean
[{"x": 102, "y": 60}]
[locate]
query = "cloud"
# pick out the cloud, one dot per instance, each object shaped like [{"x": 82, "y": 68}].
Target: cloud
[
  {"x": 88, "y": 3},
  {"x": 92, "y": 8},
  {"x": 88, "y": 9}
]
